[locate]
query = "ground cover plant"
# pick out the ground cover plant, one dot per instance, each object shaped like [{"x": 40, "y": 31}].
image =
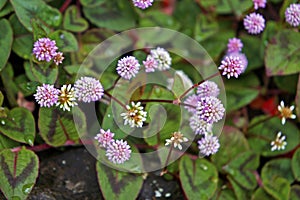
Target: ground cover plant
[{"x": 204, "y": 94}]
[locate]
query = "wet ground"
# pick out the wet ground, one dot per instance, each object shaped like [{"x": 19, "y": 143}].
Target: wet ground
[{"x": 70, "y": 174}]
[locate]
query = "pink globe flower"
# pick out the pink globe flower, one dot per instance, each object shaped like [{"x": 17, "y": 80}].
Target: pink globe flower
[
  {"x": 292, "y": 15},
  {"x": 88, "y": 89},
  {"x": 234, "y": 45},
  {"x": 210, "y": 109},
  {"x": 150, "y": 64},
  {"x": 242, "y": 57},
  {"x": 128, "y": 67},
  {"x": 44, "y": 49},
  {"x": 231, "y": 66},
  {"x": 143, "y": 4},
  {"x": 118, "y": 151},
  {"x": 259, "y": 4},
  {"x": 208, "y": 145},
  {"x": 254, "y": 23},
  {"x": 104, "y": 137},
  {"x": 46, "y": 95},
  {"x": 208, "y": 88}
]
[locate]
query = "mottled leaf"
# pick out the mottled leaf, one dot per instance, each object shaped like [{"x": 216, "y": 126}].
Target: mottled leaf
[
  {"x": 19, "y": 125},
  {"x": 6, "y": 9},
  {"x": 57, "y": 126},
  {"x": 233, "y": 6},
  {"x": 199, "y": 178},
  {"x": 35, "y": 73},
  {"x": 7, "y": 143},
  {"x": 282, "y": 54},
  {"x": 2, "y": 3},
  {"x": 27, "y": 10},
  {"x": 240, "y": 192},
  {"x": 65, "y": 41},
  {"x": 73, "y": 21},
  {"x": 110, "y": 18},
  {"x": 296, "y": 164},
  {"x": 261, "y": 136},
  {"x": 7, "y": 76},
  {"x": 260, "y": 194},
  {"x": 241, "y": 169},
  {"x": 6, "y": 39},
  {"x": 18, "y": 173},
  {"x": 295, "y": 192},
  {"x": 91, "y": 3},
  {"x": 278, "y": 188},
  {"x": 23, "y": 39},
  {"x": 233, "y": 142},
  {"x": 240, "y": 92},
  {"x": 117, "y": 184},
  {"x": 205, "y": 27},
  {"x": 278, "y": 168}
]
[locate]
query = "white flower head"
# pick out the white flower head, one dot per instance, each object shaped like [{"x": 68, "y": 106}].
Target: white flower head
[
  {"x": 176, "y": 139},
  {"x": 135, "y": 115},
  {"x": 279, "y": 143},
  {"x": 286, "y": 112},
  {"x": 66, "y": 98}
]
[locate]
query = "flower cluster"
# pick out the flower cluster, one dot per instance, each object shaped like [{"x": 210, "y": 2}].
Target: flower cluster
[
  {"x": 231, "y": 66},
  {"x": 234, "y": 49},
  {"x": 86, "y": 89},
  {"x": 259, "y": 4},
  {"x": 117, "y": 151},
  {"x": 46, "y": 50},
  {"x": 254, "y": 23},
  {"x": 143, "y": 4},
  {"x": 292, "y": 14},
  {"x": 158, "y": 59},
  {"x": 134, "y": 115},
  {"x": 206, "y": 109}
]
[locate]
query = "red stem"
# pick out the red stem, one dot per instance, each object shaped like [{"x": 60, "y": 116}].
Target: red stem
[{"x": 65, "y": 6}]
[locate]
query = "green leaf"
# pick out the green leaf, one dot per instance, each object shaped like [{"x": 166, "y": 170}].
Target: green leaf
[
  {"x": 251, "y": 48},
  {"x": 73, "y": 21},
  {"x": 1, "y": 98},
  {"x": 65, "y": 41},
  {"x": 277, "y": 168},
  {"x": 35, "y": 73},
  {"x": 6, "y": 9},
  {"x": 6, "y": 40},
  {"x": 296, "y": 164},
  {"x": 295, "y": 192},
  {"x": 7, "y": 143},
  {"x": 22, "y": 38},
  {"x": 38, "y": 30},
  {"x": 233, "y": 6},
  {"x": 18, "y": 173},
  {"x": 261, "y": 136},
  {"x": 108, "y": 17},
  {"x": 232, "y": 143},
  {"x": 205, "y": 27},
  {"x": 199, "y": 178},
  {"x": 241, "y": 169},
  {"x": 19, "y": 126},
  {"x": 240, "y": 192},
  {"x": 260, "y": 194},
  {"x": 37, "y": 9},
  {"x": 11, "y": 89},
  {"x": 297, "y": 99},
  {"x": 291, "y": 79},
  {"x": 57, "y": 126},
  {"x": 278, "y": 188},
  {"x": 2, "y": 3},
  {"x": 283, "y": 54},
  {"x": 117, "y": 184},
  {"x": 91, "y": 3},
  {"x": 240, "y": 92},
  {"x": 157, "y": 18}
]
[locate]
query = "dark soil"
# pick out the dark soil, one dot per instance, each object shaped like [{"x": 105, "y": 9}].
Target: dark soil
[{"x": 70, "y": 174}]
